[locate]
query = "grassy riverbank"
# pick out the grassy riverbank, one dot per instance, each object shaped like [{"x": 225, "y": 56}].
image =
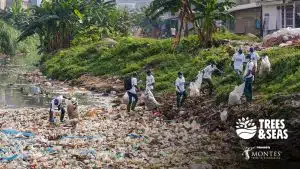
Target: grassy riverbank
[{"x": 138, "y": 54}]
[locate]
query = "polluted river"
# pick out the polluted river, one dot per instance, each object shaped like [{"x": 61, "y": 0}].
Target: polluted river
[{"x": 106, "y": 136}]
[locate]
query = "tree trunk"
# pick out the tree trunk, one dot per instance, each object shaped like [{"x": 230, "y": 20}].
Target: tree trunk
[
  {"x": 178, "y": 35},
  {"x": 186, "y": 29}
]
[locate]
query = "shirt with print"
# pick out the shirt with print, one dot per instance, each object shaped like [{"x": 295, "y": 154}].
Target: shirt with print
[
  {"x": 250, "y": 66},
  {"x": 55, "y": 107},
  {"x": 208, "y": 70},
  {"x": 133, "y": 83},
  {"x": 180, "y": 84},
  {"x": 149, "y": 82},
  {"x": 238, "y": 61}
]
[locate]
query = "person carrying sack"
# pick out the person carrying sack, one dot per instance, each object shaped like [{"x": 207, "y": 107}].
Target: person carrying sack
[
  {"x": 131, "y": 88},
  {"x": 207, "y": 72}
]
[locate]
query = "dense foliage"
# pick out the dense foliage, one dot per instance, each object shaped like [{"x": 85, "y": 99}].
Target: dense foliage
[
  {"x": 26, "y": 51},
  {"x": 58, "y": 22}
]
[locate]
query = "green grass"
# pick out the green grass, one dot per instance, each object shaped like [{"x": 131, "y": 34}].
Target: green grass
[{"x": 139, "y": 54}]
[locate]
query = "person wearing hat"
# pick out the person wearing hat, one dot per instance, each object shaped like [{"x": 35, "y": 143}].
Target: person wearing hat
[
  {"x": 249, "y": 77},
  {"x": 56, "y": 105},
  {"x": 254, "y": 57},
  {"x": 237, "y": 62},
  {"x": 207, "y": 72},
  {"x": 180, "y": 89},
  {"x": 149, "y": 81}
]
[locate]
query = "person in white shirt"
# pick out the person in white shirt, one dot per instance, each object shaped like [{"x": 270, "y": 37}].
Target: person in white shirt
[
  {"x": 180, "y": 89},
  {"x": 132, "y": 93},
  {"x": 249, "y": 79},
  {"x": 254, "y": 57},
  {"x": 149, "y": 81},
  {"x": 237, "y": 62},
  {"x": 56, "y": 105},
  {"x": 207, "y": 72}
]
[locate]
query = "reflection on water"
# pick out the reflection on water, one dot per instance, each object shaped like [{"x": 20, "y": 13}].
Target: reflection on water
[{"x": 16, "y": 92}]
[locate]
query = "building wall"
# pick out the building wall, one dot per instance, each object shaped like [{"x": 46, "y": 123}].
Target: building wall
[
  {"x": 272, "y": 14},
  {"x": 246, "y": 21},
  {"x": 2, "y": 4}
]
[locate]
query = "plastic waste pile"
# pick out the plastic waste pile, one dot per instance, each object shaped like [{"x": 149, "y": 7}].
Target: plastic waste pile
[
  {"x": 282, "y": 36},
  {"x": 265, "y": 66},
  {"x": 130, "y": 141},
  {"x": 236, "y": 94},
  {"x": 195, "y": 87}
]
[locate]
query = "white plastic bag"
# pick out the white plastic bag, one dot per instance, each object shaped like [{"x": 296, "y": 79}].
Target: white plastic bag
[
  {"x": 224, "y": 115},
  {"x": 150, "y": 100},
  {"x": 196, "y": 86},
  {"x": 265, "y": 66},
  {"x": 236, "y": 94},
  {"x": 125, "y": 98},
  {"x": 199, "y": 80},
  {"x": 194, "y": 91}
]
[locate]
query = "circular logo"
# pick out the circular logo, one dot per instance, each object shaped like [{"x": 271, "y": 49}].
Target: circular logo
[{"x": 245, "y": 128}]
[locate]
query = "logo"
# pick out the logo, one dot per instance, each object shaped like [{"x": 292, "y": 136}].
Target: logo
[
  {"x": 245, "y": 128},
  {"x": 261, "y": 153},
  {"x": 267, "y": 129}
]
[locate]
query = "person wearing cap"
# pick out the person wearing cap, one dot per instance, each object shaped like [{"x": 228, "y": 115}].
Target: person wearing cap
[
  {"x": 132, "y": 93},
  {"x": 249, "y": 77},
  {"x": 149, "y": 81},
  {"x": 56, "y": 105},
  {"x": 237, "y": 62},
  {"x": 254, "y": 57},
  {"x": 207, "y": 72},
  {"x": 180, "y": 89}
]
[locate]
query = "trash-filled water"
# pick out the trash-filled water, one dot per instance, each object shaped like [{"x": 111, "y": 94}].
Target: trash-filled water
[{"x": 17, "y": 92}]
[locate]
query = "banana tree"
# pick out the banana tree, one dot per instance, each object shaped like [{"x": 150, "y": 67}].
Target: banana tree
[{"x": 206, "y": 13}]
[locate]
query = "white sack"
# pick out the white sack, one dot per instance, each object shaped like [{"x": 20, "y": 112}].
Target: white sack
[{"x": 236, "y": 94}]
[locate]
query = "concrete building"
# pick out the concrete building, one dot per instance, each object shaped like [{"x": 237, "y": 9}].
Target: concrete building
[
  {"x": 2, "y": 4},
  {"x": 133, "y": 4},
  {"x": 247, "y": 17},
  {"x": 276, "y": 14},
  {"x": 262, "y": 17},
  {"x": 26, "y": 3}
]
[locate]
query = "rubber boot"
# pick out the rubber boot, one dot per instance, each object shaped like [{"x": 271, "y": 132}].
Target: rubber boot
[
  {"x": 128, "y": 107},
  {"x": 62, "y": 115},
  {"x": 133, "y": 105},
  {"x": 51, "y": 118}
]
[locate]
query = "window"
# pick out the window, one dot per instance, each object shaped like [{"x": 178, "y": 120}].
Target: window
[{"x": 289, "y": 16}]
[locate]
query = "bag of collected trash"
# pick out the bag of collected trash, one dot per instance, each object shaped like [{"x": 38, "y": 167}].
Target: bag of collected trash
[
  {"x": 224, "y": 115},
  {"x": 150, "y": 100},
  {"x": 125, "y": 98},
  {"x": 194, "y": 91},
  {"x": 196, "y": 86},
  {"x": 72, "y": 108},
  {"x": 198, "y": 82},
  {"x": 236, "y": 94},
  {"x": 265, "y": 66}
]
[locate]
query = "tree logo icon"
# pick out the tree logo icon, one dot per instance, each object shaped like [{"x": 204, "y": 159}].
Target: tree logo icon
[{"x": 245, "y": 128}]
